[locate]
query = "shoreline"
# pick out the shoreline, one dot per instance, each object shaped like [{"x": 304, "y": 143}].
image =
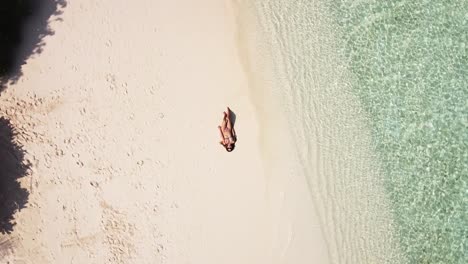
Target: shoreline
[
  {"x": 300, "y": 234},
  {"x": 330, "y": 132}
]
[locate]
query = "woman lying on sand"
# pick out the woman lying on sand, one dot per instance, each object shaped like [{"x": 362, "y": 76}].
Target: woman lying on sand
[{"x": 227, "y": 132}]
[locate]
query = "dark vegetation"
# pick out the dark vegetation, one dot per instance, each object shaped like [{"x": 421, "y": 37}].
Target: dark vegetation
[{"x": 23, "y": 26}]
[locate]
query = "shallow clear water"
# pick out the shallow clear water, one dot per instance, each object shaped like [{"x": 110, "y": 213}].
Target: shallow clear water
[
  {"x": 377, "y": 94},
  {"x": 331, "y": 134},
  {"x": 410, "y": 61}
]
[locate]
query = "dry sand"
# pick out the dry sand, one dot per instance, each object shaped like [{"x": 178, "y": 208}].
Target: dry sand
[{"x": 118, "y": 116}]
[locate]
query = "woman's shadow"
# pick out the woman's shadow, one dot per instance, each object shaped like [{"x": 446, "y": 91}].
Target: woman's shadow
[
  {"x": 233, "y": 117},
  {"x": 12, "y": 167}
]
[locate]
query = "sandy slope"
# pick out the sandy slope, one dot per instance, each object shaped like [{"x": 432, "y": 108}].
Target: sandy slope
[{"x": 120, "y": 127}]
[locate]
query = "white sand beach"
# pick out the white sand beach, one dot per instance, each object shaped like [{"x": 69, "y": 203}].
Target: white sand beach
[{"x": 118, "y": 116}]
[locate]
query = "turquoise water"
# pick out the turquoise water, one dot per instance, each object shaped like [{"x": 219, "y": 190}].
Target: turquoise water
[
  {"x": 410, "y": 61},
  {"x": 406, "y": 64}
]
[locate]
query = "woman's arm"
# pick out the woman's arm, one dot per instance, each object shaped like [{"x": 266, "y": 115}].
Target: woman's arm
[{"x": 221, "y": 135}]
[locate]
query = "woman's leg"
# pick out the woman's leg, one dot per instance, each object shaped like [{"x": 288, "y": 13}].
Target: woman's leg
[
  {"x": 223, "y": 124},
  {"x": 228, "y": 118}
]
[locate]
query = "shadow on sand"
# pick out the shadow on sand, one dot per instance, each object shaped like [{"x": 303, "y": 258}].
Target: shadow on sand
[
  {"x": 233, "y": 118},
  {"x": 12, "y": 167},
  {"x": 23, "y": 26}
]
